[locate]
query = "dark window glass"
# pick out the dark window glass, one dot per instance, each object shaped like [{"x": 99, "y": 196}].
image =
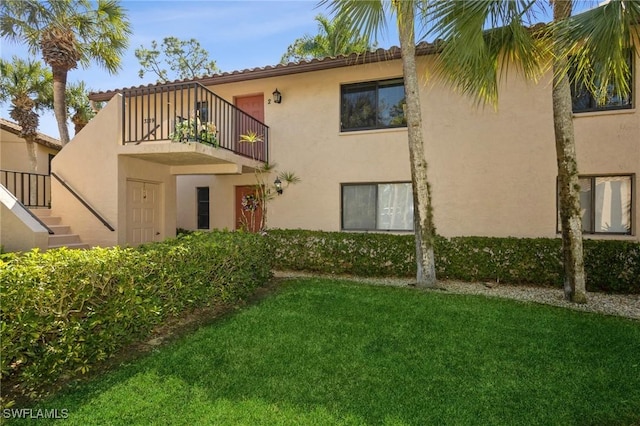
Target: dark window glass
[
  {"x": 203, "y": 111},
  {"x": 203, "y": 207},
  {"x": 583, "y": 100},
  {"x": 373, "y": 105}
]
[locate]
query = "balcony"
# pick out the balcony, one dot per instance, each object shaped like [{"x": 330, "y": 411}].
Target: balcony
[{"x": 185, "y": 124}]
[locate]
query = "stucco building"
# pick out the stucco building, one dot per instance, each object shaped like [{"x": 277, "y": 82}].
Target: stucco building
[
  {"x": 168, "y": 156},
  {"x": 18, "y": 230}
]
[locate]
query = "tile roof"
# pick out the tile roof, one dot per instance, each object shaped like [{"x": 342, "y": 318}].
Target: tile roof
[
  {"x": 314, "y": 64},
  {"x": 41, "y": 138}
]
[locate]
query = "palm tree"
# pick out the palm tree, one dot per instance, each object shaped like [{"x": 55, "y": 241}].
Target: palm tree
[
  {"x": 335, "y": 37},
  {"x": 27, "y": 85},
  {"x": 593, "y": 44},
  {"x": 81, "y": 110},
  {"x": 369, "y": 17},
  {"x": 67, "y": 32}
]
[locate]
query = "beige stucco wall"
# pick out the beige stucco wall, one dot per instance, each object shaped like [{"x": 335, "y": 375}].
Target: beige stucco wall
[
  {"x": 186, "y": 199},
  {"x": 89, "y": 164},
  {"x": 493, "y": 171},
  {"x": 19, "y": 231},
  {"x": 94, "y": 166},
  {"x": 13, "y": 154}
]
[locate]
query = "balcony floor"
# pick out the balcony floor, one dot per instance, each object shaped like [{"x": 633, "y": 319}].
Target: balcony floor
[{"x": 191, "y": 157}]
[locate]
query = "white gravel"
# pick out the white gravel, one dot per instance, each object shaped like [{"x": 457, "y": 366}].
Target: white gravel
[{"x": 609, "y": 304}]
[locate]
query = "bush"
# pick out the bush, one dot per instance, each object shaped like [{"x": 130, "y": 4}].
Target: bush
[
  {"x": 64, "y": 310},
  {"x": 610, "y": 266}
]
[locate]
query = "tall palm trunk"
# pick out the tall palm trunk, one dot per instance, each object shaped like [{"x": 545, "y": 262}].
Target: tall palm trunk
[
  {"x": 59, "y": 102},
  {"x": 568, "y": 182},
  {"x": 79, "y": 123},
  {"x": 31, "y": 153},
  {"x": 423, "y": 215},
  {"x": 33, "y": 162},
  {"x": 22, "y": 112}
]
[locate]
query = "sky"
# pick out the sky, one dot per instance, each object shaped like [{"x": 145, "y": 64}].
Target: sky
[{"x": 237, "y": 34}]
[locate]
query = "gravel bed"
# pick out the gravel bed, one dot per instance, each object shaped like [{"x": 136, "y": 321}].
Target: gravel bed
[{"x": 609, "y": 304}]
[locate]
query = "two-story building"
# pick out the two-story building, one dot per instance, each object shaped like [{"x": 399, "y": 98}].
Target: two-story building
[{"x": 167, "y": 156}]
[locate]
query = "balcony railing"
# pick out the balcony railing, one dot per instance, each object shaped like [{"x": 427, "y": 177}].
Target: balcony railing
[
  {"x": 189, "y": 112},
  {"x": 31, "y": 189}
]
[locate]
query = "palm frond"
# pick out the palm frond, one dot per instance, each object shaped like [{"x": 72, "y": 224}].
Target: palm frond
[
  {"x": 481, "y": 39},
  {"x": 367, "y": 17},
  {"x": 598, "y": 44}
]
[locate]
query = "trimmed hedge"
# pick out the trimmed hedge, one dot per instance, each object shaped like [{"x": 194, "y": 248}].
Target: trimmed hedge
[
  {"x": 610, "y": 266},
  {"x": 64, "y": 310}
]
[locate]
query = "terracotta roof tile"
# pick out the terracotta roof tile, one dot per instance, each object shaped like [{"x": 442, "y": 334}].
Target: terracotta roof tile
[
  {"x": 41, "y": 138},
  {"x": 310, "y": 65}
]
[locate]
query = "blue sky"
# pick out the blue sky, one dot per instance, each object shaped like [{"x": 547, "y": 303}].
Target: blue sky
[{"x": 237, "y": 34}]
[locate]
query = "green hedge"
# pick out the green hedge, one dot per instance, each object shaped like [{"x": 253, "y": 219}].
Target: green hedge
[
  {"x": 64, "y": 310},
  {"x": 611, "y": 266}
]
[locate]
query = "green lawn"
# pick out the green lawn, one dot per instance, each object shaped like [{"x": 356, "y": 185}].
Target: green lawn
[{"x": 323, "y": 351}]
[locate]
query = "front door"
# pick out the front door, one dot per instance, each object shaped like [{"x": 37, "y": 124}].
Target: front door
[
  {"x": 254, "y": 106},
  {"x": 143, "y": 212},
  {"x": 248, "y": 209}
]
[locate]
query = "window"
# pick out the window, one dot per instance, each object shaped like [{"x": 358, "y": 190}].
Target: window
[
  {"x": 584, "y": 101},
  {"x": 203, "y": 111},
  {"x": 605, "y": 204},
  {"x": 203, "y": 207},
  {"x": 377, "y": 206},
  {"x": 373, "y": 105}
]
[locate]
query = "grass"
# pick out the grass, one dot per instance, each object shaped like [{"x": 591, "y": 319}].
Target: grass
[{"x": 323, "y": 351}]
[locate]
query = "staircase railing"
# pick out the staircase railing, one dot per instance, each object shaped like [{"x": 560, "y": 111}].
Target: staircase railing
[
  {"x": 83, "y": 201},
  {"x": 189, "y": 112},
  {"x": 31, "y": 189}
]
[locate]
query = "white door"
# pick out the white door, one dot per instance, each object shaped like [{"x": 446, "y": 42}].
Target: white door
[{"x": 143, "y": 212}]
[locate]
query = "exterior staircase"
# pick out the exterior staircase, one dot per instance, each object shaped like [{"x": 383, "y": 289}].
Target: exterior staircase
[{"x": 62, "y": 235}]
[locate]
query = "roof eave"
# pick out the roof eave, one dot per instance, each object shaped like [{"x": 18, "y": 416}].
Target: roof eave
[
  {"x": 41, "y": 138},
  {"x": 379, "y": 55}
]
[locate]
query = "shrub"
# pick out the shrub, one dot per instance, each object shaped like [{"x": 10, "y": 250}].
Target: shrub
[
  {"x": 610, "y": 266},
  {"x": 64, "y": 310}
]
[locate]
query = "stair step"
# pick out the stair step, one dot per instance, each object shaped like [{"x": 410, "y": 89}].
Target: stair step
[
  {"x": 41, "y": 212},
  {"x": 62, "y": 234},
  {"x": 50, "y": 220},
  {"x": 60, "y": 229},
  {"x": 63, "y": 239}
]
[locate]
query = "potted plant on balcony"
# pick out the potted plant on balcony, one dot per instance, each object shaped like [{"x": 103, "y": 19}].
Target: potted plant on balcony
[
  {"x": 192, "y": 130},
  {"x": 209, "y": 134}
]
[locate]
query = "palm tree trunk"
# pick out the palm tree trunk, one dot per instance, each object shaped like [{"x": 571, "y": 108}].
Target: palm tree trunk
[
  {"x": 423, "y": 215},
  {"x": 568, "y": 182},
  {"x": 31, "y": 153},
  {"x": 33, "y": 163},
  {"x": 59, "y": 102}
]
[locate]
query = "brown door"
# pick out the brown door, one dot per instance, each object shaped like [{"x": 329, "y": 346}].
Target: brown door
[
  {"x": 254, "y": 107},
  {"x": 248, "y": 209}
]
